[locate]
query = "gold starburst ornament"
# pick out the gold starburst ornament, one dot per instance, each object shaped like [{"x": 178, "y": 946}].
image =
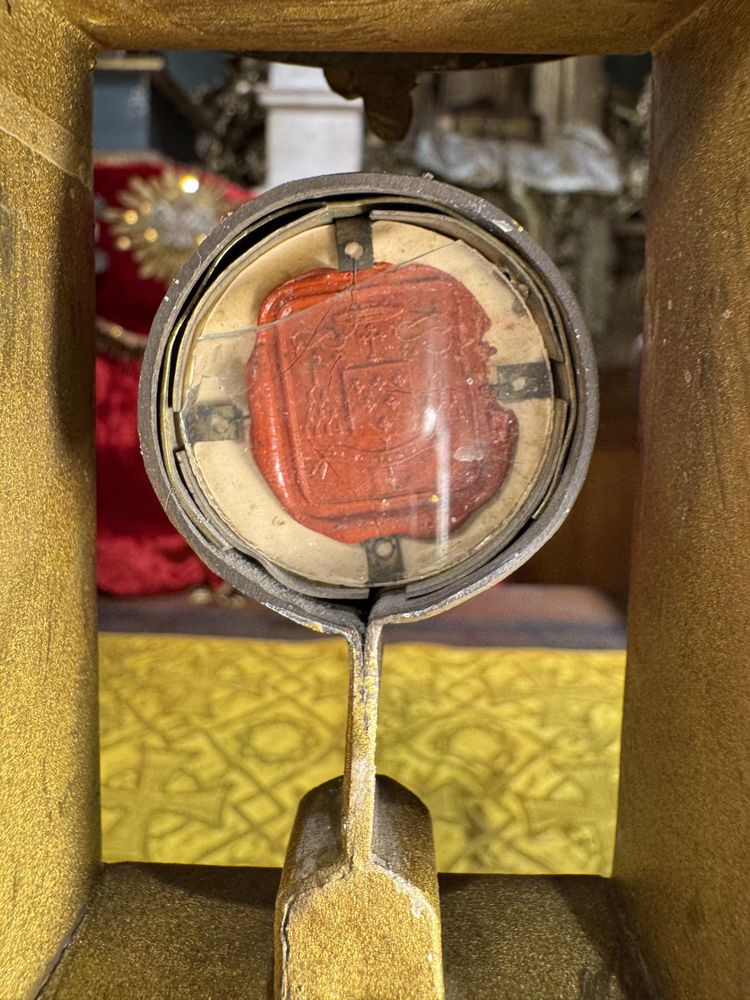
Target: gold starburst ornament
[{"x": 162, "y": 219}]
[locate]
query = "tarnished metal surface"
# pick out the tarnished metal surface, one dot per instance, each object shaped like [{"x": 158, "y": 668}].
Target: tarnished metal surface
[{"x": 442, "y": 208}]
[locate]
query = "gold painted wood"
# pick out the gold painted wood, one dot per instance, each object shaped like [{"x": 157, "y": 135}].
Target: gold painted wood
[
  {"x": 683, "y": 852},
  {"x": 682, "y": 857},
  {"x": 514, "y": 26},
  {"x": 196, "y": 932},
  {"x": 49, "y": 836},
  {"x": 358, "y": 913}
]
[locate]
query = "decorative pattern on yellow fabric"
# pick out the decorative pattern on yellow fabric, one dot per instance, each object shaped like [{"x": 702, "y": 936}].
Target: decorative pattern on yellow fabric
[{"x": 209, "y": 743}]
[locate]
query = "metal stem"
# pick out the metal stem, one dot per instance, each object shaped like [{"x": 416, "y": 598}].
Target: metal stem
[{"x": 361, "y": 741}]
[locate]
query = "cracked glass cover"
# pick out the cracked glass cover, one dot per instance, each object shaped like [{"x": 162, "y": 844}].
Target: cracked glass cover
[{"x": 367, "y": 425}]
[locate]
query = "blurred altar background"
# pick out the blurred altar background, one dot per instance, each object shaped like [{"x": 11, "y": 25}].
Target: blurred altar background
[{"x": 503, "y": 714}]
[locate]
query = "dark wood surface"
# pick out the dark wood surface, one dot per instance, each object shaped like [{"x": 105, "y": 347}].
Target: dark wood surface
[{"x": 592, "y": 547}]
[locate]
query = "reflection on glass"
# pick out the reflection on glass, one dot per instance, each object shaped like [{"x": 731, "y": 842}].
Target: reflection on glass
[{"x": 367, "y": 427}]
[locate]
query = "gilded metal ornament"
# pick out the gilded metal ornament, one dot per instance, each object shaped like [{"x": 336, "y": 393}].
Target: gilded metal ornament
[{"x": 162, "y": 219}]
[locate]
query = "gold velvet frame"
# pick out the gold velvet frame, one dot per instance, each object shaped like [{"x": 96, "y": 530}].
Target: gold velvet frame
[{"x": 682, "y": 856}]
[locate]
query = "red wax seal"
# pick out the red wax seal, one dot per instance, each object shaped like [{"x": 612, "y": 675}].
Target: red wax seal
[{"x": 370, "y": 405}]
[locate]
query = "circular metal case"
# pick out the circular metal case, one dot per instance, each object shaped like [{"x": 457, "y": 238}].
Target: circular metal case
[{"x": 367, "y": 396}]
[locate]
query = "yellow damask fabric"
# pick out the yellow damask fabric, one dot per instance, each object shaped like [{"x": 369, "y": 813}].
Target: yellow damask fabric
[{"x": 207, "y": 745}]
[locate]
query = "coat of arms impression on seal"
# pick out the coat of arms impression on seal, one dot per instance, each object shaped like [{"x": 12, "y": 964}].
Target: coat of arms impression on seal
[{"x": 370, "y": 402}]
